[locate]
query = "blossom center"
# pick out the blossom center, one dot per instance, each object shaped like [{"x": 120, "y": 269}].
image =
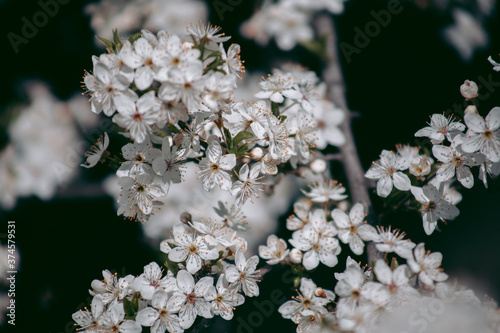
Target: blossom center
[
  {"x": 391, "y": 171},
  {"x": 139, "y": 158},
  {"x": 353, "y": 229},
  {"x": 430, "y": 206},
  {"x": 163, "y": 313},
  {"x": 191, "y": 298},
  {"x": 457, "y": 160},
  {"x": 175, "y": 61},
  {"x": 137, "y": 117},
  {"x": 140, "y": 188},
  {"x": 214, "y": 167},
  {"x": 307, "y": 303},
  {"x": 193, "y": 249},
  {"x": 488, "y": 134},
  {"x": 148, "y": 62}
]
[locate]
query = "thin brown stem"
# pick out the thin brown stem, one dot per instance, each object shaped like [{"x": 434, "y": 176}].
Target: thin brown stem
[{"x": 332, "y": 75}]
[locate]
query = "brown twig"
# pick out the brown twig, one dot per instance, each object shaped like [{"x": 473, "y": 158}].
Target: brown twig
[{"x": 332, "y": 75}]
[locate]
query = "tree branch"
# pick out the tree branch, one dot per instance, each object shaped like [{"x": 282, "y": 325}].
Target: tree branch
[{"x": 332, "y": 75}]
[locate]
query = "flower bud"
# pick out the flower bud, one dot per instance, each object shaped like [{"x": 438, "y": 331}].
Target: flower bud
[
  {"x": 470, "y": 109},
  {"x": 185, "y": 217},
  {"x": 256, "y": 153},
  {"x": 295, "y": 256},
  {"x": 469, "y": 89},
  {"x": 319, "y": 292},
  {"x": 302, "y": 172},
  {"x": 187, "y": 45},
  {"x": 343, "y": 205},
  {"x": 318, "y": 166},
  {"x": 421, "y": 165}
]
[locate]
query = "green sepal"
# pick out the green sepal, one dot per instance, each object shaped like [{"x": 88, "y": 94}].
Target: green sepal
[
  {"x": 131, "y": 307},
  {"x": 275, "y": 108},
  {"x": 172, "y": 128},
  {"x": 116, "y": 38},
  {"x": 394, "y": 264},
  {"x": 172, "y": 266},
  {"x": 296, "y": 281},
  {"x": 229, "y": 140}
]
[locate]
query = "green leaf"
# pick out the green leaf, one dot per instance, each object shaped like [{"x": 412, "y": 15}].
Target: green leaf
[
  {"x": 172, "y": 266},
  {"x": 275, "y": 108},
  {"x": 131, "y": 307},
  {"x": 109, "y": 44},
  {"x": 134, "y": 37},
  {"x": 241, "y": 150},
  {"x": 227, "y": 134},
  {"x": 243, "y": 135},
  {"x": 172, "y": 128},
  {"x": 116, "y": 38},
  {"x": 317, "y": 47}
]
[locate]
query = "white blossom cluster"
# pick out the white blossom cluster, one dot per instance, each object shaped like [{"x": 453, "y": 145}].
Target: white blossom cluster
[
  {"x": 288, "y": 21},
  {"x": 129, "y": 16},
  {"x": 457, "y": 147},
  {"x": 174, "y": 97},
  {"x": 197, "y": 254},
  {"x": 371, "y": 300},
  {"x": 37, "y": 162}
]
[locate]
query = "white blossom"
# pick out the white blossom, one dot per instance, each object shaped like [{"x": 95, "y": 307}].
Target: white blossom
[
  {"x": 434, "y": 206},
  {"x": 483, "y": 135},
  {"x": 242, "y": 275},
  {"x": 275, "y": 251},
  {"x": 388, "y": 172},
  {"x": 427, "y": 266},
  {"x": 191, "y": 300}
]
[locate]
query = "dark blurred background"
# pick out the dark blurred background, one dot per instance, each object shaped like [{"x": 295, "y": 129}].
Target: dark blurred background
[{"x": 405, "y": 74}]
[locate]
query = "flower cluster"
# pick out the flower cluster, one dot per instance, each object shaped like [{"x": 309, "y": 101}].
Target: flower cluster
[
  {"x": 457, "y": 147},
  {"x": 368, "y": 300},
  {"x": 154, "y": 15},
  {"x": 316, "y": 237},
  {"x": 288, "y": 21},
  {"x": 171, "y": 302},
  {"x": 177, "y": 92},
  {"x": 36, "y": 162}
]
